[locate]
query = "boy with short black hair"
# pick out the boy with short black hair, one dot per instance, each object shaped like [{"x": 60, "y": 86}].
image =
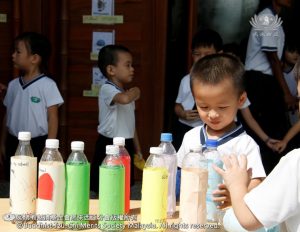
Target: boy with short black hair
[
  {"x": 217, "y": 86},
  {"x": 116, "y": 106}
]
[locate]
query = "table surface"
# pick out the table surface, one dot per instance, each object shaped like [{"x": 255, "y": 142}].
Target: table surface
[{"x": 134, "y": 216}]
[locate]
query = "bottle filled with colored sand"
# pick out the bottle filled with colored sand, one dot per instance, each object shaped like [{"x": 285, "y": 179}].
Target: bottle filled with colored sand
[
  {"x": 77, "y": 186},
  {"x": 111, "y": 191},
  {"x": 154, "y": 192}
]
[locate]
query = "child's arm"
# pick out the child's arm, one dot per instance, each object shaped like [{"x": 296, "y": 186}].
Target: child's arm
[
  {"x": 236, "y": 179},
  {"x": 52, "y": 121},
  {"x": 281, "y": 145},
  {"x": 128, "y": 96},
  {"x": 252, "y": 123},
  {"x": 136, "y": 143},
  {"x": 185, "y": 114}
]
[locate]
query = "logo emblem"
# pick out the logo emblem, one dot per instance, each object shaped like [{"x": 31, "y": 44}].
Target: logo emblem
[
  {"x": 35, "y": 99},
  {"x": 266, "y": 22}
]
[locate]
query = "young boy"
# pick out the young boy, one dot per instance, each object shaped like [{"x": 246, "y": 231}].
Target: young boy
[
  {"x": 32, "y": 100},
  {"x": 204, "y": 42},
  {"x": 116, "y": 106},
  {"x": 217, "y": 86},
  {"x": 276, "y": 200}
]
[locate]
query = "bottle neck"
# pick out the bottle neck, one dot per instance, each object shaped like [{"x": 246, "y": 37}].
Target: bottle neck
[
  {"x": 24, "y": 149},
  {"x": 77, "y": 157},
  {"x": 52, "y": 154}
]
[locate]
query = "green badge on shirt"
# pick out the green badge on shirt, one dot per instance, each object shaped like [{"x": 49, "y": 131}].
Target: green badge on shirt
[{"x": 35, "y": 99}]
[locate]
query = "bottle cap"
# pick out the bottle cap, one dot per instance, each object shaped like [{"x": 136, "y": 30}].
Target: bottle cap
[
  {"x": 112, "y": 150},
  {"x": 156, "y": 150},
  {"x": 77, "y": 145},
  {"x": 119, "y": 141},
  {"x": 211, "y": 143},
  {"x": 24, "y": 135},
  {"x": 166, "y": 137},
  {"x": 196, "y": 147},
  {"x": 52, "y": 143}
]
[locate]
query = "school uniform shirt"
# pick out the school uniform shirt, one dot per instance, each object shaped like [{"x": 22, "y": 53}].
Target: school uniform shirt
[
  {"x": 115, "y": 119},
  {"x": 277, "y": 198},
  {"x": 27, "y": 103},
  {"x": 234, "y": 142},
  {"x": 186, "y": 99},
  {"x": 261, "y": 41}
]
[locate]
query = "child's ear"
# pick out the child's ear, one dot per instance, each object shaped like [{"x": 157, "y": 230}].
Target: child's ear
[
  {"x": 36, "y": 59},
  {"x": 242, "y": 99},
  {"x": 110, "y": 70}
]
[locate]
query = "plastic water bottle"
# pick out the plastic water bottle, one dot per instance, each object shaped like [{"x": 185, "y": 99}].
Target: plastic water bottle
[
  {"x": 77, "y": 185},
  {"x": 125, "y": 157},
  {"x": 111, "y": 191},
  {"x": 51, "y": 184},
  {"x": 23, "y": 172},
  {"x": 214, "y": 179},
  {"x": 193, "y": 188},
  {"x": 154, "y": 192},
  {"x": 170, "y": 158}
]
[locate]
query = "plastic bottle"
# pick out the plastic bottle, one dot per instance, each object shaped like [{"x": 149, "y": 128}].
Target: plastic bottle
[
  {"x": 154, "y": 192},
  {"x": 125, "y": 157},
  {"x": 77, "y": 185},
  {"x": 214, "y": 179},
  {"x": 170, "y": 158},
  {"x": 23, "y": 173},
  {"x": 193, "y": 188},
  {"x": 51, "y": 184},
  {"x": 111, "y": 191}
]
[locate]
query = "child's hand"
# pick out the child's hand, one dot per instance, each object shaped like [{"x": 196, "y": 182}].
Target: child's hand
[
  {"x": 271, "y": 143},
  {"x": 222, "y": 196},
  {"x": 280, "y": 146},
  {"x": 191, "y": 115},
  {"x": 136, "y": 92},
  {"x": 235, "y": 175}
]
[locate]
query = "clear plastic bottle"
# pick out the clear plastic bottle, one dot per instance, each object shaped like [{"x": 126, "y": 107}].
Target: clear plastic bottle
[
  {"x": 51, "y": 184},
  {"x": 193, "y": 188},
  {"x": 23, "y": 172},
  {"x": 214, "y": 179},
  {"x": 170, "y": 158},
  {"x": 125, "y": 157},
  {"x": 154, "y": 192},
  {"x": 111, "y": 191},
  {"x": 77, "y": 185}
]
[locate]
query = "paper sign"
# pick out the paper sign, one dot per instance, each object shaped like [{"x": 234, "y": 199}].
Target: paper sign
[
  {"x": 3, "y": 18},
  {"x": 103, "y": 7},
  {"x": 23, "y": 173}
]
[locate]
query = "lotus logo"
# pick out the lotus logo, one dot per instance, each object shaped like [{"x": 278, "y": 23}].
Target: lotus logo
[
  {"x": 266, "y": 22},
  {"x": 35, "y": 99}
]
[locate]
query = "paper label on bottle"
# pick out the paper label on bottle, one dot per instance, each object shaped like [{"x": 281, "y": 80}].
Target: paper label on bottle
[
  {"x": 192, "y": 197},
  {"x": 23, "y": 173},
  {"x": 51, "y": 188}
]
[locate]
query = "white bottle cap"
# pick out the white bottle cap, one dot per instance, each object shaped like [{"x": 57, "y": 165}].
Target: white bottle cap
[
  {"x": 112, "y": 150},
  {"x": 156, "y": 150},
  {"x": 24, "y": 135},
  {"x": 77, "y": 145},
  {"x": 119, "y": 141},
  {"x": 52, "y": 143},
  {"x": 196, "y": 147}
]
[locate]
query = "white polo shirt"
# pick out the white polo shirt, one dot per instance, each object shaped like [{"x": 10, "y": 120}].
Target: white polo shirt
[
  {"x": 261, "y": 41},
  {"x": 234, "y": 142},
  {"x": 277, "y": 199},
  {"x": 186, "y": 99},
  {"x": 27, "y": 103},
  {"x": 115, "y": 119}
]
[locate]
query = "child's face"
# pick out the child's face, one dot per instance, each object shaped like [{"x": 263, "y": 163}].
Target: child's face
[
  {"x": 123, "y": 70},
  {"x": 291, "y": 57},
  {"x": 200, "y": 52},
  {"x": 217, "y": 104},
  {"x": 21, "y": 57}
]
